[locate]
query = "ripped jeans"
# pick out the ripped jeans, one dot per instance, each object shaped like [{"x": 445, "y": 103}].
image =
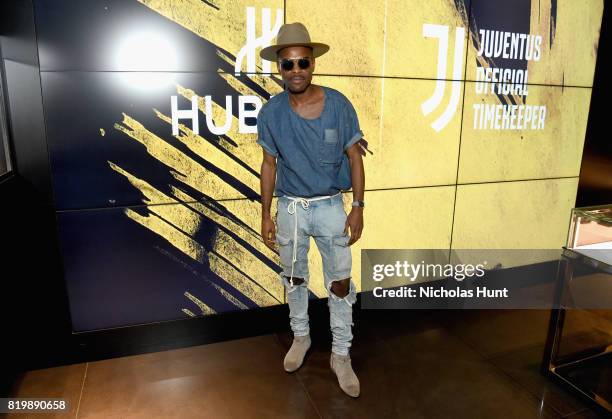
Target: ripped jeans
[{"x": 298, "y": 219}]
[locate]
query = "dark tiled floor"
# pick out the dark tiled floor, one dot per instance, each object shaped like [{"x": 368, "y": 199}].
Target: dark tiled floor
[{"x": 462, "y": 364}]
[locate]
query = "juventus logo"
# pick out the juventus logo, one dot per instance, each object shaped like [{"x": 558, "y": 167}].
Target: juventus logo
[
  {"x": 253, "y": 42},
  {"x": 441, "y": 32}
]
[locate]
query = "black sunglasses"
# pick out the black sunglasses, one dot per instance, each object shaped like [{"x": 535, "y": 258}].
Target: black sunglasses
[{"x": 287, "y": 63}]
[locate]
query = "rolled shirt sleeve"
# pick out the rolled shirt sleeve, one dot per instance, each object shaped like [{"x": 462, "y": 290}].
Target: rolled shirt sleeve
[
  {"x": 354, "y": 133},
  {"x": 264, "y": 136}
]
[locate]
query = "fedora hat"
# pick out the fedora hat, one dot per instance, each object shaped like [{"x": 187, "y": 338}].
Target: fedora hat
[{"x": 292, "y": 35}]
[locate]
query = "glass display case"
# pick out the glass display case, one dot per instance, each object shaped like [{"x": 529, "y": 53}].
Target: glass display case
[{"x": 578, "y": 350}]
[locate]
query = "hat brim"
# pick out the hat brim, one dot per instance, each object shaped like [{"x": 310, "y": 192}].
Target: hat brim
[{"x": 269, "y": 53}]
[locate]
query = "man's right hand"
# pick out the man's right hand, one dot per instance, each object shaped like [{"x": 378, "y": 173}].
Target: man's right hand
[{"x": 268, "y": 232}]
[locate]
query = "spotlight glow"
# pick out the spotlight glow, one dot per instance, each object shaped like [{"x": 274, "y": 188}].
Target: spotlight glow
[{"x": 146, "y": 58}]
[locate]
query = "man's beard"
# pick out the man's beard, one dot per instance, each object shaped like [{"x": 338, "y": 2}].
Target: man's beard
[{"x": 297, "y": 92}]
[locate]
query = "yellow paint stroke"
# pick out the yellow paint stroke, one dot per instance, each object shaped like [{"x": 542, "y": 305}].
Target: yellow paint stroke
[
  {"x": 246, "y": 262},
  {"x": 229, "y": 297},
  {"x": 255, "y": 292},
  {"x": 223, "y": 292},
  {"x": 175, "y": 237},
  {"x": 152, "y": 195},
  {"x": 239, "y": 86},
  {"x": 247, "y": 211},
  {"x": 175, "y": 223},
  {"x": 188, "y": 312},
  {"x": 213, "y": 155},
  {"x": 102, "y": 132},
  {"x": 265, "y": 82},
  {"x": 225, "y": 58},
  {"x": 206, "y": 310},
  {"x": 184, "y": 168},
  {"x": 179, "y": 215}
]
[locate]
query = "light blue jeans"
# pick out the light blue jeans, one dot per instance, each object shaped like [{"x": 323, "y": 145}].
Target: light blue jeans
[{"x": 298, "y": 219}]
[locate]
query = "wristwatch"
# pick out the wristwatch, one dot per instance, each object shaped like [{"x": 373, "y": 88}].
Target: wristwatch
[{"x": 358, "y": 204}]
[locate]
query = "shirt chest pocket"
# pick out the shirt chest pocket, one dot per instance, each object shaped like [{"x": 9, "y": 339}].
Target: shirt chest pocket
[
  {"x": 331, "y": 151},
  {"x": 331, "y": 136}
]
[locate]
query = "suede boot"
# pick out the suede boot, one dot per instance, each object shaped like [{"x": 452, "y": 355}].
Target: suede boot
[
  {"x": 295, "y": 355},
  {"x": 341, "y": 365}
]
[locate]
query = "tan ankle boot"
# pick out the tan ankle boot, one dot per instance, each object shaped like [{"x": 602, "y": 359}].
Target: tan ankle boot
[
  {"x": 341, "y": 365},
  {"x": 295, "y": 355}
]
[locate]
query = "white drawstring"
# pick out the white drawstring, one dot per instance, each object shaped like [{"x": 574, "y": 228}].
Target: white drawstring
[{"x": 291, "y": 209}]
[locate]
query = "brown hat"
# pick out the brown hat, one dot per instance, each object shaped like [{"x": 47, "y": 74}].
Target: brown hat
[{"x": 292, "y": 34}]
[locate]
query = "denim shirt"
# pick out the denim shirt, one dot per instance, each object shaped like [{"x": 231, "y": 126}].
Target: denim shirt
[{"x": 310, "y": 153}]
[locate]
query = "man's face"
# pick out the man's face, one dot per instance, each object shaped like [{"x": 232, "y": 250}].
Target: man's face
[{"x": 296, "y": 79}]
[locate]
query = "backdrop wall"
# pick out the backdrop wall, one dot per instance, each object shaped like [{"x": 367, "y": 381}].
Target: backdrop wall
[{"x": 155, "y": 226}]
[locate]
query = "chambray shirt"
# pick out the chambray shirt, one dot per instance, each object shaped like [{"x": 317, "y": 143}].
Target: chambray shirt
[{"x": 310, "y": 153}]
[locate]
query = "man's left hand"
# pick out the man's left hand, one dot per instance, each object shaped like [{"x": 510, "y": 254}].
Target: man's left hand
[{"x": 354, "y": 221}]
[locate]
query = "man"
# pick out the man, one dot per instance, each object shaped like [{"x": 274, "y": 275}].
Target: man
[{"x": 310, "y": 138}]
